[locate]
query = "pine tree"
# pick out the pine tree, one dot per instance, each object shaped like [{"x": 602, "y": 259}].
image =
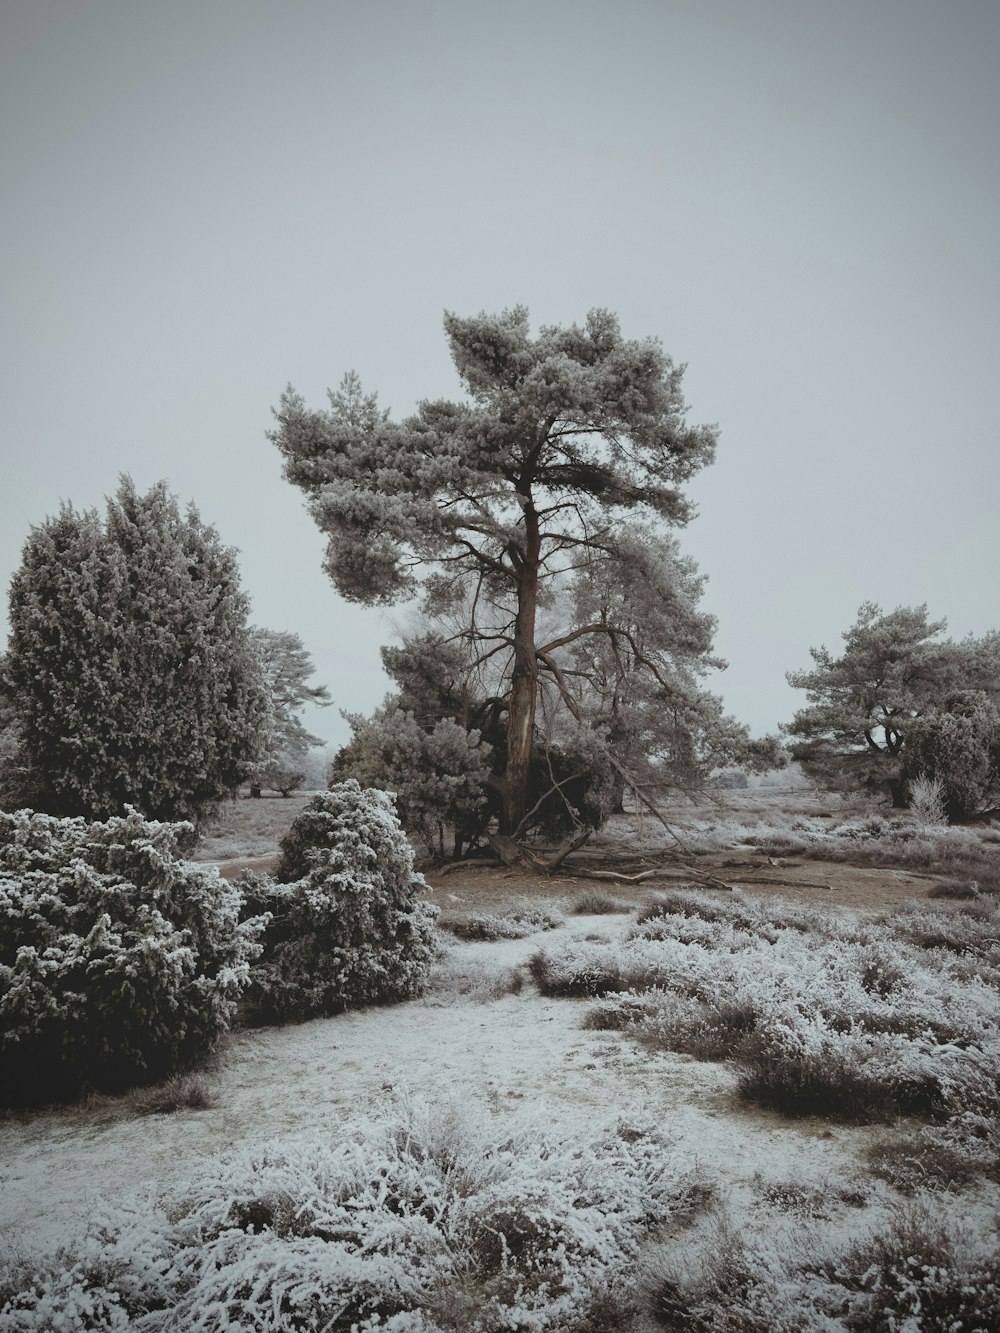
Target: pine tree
[
  {"x": 130, "y": 666},
  {"x": 895, "y": 673},
  {"x": 562, "y": 443},
  {"x": 286, "y": 666}
]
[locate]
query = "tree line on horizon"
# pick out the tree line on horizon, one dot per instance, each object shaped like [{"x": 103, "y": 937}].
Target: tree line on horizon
[{"x": 562, "y": 654}]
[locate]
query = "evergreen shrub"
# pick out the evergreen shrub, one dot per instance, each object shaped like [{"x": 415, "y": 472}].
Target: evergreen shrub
[
  {"x": 120, "y": 962},
  {"x": 347, "y": 924}
]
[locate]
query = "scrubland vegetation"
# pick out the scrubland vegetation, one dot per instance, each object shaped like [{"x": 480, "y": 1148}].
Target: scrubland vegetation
[
  {"x": 417, "y": 1219},
  {"x": 860, "y": 1021},
  {"x": 413, "y": 1215},
  {"x": 556, "y": 678},
  {"x": 124, "y": 963}
]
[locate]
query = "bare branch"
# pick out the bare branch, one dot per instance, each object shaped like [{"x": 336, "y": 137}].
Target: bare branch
[
  {"x": 556, "y": 786},
  {"x": 568, "y": 699}
]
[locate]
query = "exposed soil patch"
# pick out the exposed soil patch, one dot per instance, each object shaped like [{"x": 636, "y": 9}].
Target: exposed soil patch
[{"x": 837, "y": 885}]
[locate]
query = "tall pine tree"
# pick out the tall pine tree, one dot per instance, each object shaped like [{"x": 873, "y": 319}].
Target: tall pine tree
[{"x": 562, "y": 445}]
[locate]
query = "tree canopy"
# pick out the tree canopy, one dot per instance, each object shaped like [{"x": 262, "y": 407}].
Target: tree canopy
[
  {"x": 509, "y": 511},
  {"x": 130, "y": 671},
  {"x": 867, "y": 707}
]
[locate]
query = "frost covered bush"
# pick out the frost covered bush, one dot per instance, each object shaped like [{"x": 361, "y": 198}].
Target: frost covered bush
[
  {"x": 508, "y": 926},
  {"x": 418, "y": 1222},
  {"x": 120, "y": 963},
  {"x": 856, "y": 1021},
  {"x": 588, "y": 968},
  {"x": 763, "y": 919},
  {"x": 914, "y": 1276},
  {"x": 597, "y": 902},
  {"x": 970, "y": 931},
  {"x": 347, "y": 925},
  {"x": 927, "y": 801},
  {"x": 476, "y": 979},
  {"x": 941, "y": 1157}
]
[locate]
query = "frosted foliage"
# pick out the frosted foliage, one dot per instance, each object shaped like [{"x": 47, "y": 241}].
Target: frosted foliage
[
  {"x": 915, "y": 1276},
  {"x": 130, "y": 665},
  {"x": 562, "y": 446},
  {"x": 119, "y": 963},
  {"x": 890, "y": 708},
  {"x": 419, "y": 1221},
  {"x": 437, "y": 773},
  {"x": 348, "y": 925},
  {"x": 863, "y": 1021},
  {"x": 927, "y": 802},
  {"x": 960, "y": 747}
]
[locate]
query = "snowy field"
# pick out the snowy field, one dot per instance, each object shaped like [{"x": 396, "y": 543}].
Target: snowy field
[{"x": 569, "y": 1131}]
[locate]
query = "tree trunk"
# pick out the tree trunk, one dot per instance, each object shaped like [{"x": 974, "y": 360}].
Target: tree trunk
[{"x": 521, "y": 713}]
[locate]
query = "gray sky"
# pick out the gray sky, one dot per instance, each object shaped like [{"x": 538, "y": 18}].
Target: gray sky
[{"x": 206, "y": 199}]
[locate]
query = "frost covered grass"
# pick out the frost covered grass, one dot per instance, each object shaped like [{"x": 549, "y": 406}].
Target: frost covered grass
[
  {"x": 419, "y": 1220},
  {"x": 516, "y": 925},
  {"x": 475, "y": 979},
  {"x": 914, "y": 1275},
  {"x": 970, "y": 854},
  {"x": 598, "y": 902},
  {"x": 248, "y": 828},
  {"x": 856, "y": 1020}
]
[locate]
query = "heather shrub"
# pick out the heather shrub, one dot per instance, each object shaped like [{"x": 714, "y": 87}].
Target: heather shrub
[
  {"x": 952, "y": 1156},
  {"x": 914, "y": 1275},
  {"x": 120, "y": 962},
  {"x": 764, "y": 919},
  {"x": 597, "y": 902},
  {"x": 414, "y": 1219},
  {"x": 507, "y": 926},
  {"x": 859, "y": 1021},
  {"x": 346, "y": 922},
  {"x": 589, "y": 968},
  {"x": 971, "y": 929},
  {"x": 476, "y": 980}
]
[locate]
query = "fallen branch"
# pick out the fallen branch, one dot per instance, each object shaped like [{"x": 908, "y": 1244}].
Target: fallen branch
[
  {"x": 658, "y": 872},
  {"x": 640, "y": 795},
  {"x": 462, "y": 865},
  {"x": 511, "y": 852},
  {"x": 616, "y": 875},
  {"x": 560, "y": 856},
  {"x": 786, "y": 883}
]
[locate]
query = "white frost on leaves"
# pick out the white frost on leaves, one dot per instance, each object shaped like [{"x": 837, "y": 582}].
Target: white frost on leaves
[
  {"x": 386, "y": 1219},
  {"x": 896, "y": 1003}
]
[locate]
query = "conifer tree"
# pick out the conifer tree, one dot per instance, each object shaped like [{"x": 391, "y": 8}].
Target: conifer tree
[
  {"x": 894, "y": 676},
  {"x": 563, "y": 443},
  {"x": 130, "y": 668},
  {"x": 286, "y": 667}
]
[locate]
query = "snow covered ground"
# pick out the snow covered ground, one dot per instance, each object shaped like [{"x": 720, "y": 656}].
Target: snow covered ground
[
  {"x": 484, "y": 1040},
  {"x": 521, "y": 1055}
]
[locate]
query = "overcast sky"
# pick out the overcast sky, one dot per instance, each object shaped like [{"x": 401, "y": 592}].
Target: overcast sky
[{"x": 207, "y": 199}]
